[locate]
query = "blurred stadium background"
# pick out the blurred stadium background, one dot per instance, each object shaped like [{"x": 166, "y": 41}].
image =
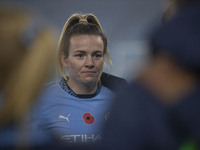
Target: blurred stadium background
[{"x": 125, "y": 22}]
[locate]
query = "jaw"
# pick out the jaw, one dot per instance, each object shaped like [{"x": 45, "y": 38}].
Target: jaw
[
  {"x": 90, "y": 80},
  {"x": 84, "y": 83}
]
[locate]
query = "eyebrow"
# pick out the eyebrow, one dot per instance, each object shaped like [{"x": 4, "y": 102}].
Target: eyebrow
[
  {"x": 98, "y": 51},
  {"x": 81, "y": 51}
]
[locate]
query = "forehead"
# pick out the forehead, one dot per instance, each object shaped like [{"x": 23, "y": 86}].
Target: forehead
[
  {"x": 85, "y": 37},
  {"x": 86, "y": 42}
]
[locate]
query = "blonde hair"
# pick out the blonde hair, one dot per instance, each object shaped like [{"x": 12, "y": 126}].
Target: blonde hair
[
  {"x": 79, "y": 24},
  {"x": 24, "y": 63}
]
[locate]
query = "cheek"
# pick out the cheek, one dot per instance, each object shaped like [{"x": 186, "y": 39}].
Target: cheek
[
  {"x": 74, "y": 66},
  {"x": 101, "y": 64}
]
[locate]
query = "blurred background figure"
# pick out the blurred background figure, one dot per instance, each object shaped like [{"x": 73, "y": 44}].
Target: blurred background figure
[
  {"x": 174, "y": 7},
  {"x": 26, "y": 55},
  {"x": 160, "y": 109}
]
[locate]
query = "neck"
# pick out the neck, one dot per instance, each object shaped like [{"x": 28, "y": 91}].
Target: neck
[
  {"x": 89, "y": 88},
  {"x": 166, "y": 80}
]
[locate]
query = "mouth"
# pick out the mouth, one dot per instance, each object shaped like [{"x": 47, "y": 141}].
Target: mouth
[{"x": 89, "y": 72}]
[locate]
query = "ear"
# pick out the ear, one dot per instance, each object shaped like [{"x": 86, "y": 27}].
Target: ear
[{"x": 64, "y": 60}]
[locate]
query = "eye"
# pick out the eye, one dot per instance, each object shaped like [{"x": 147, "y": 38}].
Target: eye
[
  {"x": 79, "y": 55},
  {"x": 98, "y": 55}
]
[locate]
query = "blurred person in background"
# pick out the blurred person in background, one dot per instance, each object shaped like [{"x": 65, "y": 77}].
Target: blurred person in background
[
  {"x": 76, "y": 108},
  {"x": 26, "y": 54},
  {"x": 160, "y": 109},
  {"x": 174, "y": 7}
]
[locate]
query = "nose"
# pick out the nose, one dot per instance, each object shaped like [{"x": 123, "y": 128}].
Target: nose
[{"x": 89, "y": 62}]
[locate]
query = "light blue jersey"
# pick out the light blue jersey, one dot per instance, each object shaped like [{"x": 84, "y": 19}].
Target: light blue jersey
[{"x": 74, "y": 118}]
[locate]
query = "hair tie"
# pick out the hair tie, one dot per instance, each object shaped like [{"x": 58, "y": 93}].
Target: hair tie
[{"x": 83, "y": 20}]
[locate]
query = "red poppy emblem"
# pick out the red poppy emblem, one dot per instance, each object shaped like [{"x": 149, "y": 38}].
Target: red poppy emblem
[{"x": 89, "y": 119}]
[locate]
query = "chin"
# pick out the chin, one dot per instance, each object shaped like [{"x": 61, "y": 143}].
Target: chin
[{"x": 90, "y": 80}]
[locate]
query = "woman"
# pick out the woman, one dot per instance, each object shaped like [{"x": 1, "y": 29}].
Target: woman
[{"x": 76, "y": 108}]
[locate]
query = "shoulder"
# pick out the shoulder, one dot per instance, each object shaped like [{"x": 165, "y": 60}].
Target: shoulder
[
  {"x": 50, "y": 87},
  {"x": 106, "y": 91},
  {"x": 112, "y": 82},
  {"x": 50, "y": 90}
]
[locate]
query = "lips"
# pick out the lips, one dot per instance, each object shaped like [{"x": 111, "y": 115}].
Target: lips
[{"x": 89, "y": 72}]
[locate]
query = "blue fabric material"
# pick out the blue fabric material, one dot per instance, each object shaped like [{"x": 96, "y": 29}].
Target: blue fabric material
[
  {"x": 185, "y": 117},
  {"x": 138, "y": 122},
  {"x": 61, "y": 113}
]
